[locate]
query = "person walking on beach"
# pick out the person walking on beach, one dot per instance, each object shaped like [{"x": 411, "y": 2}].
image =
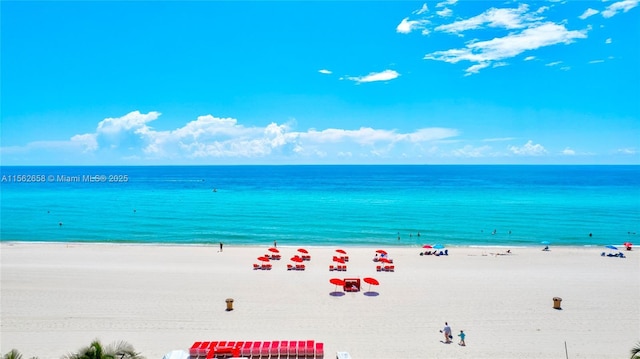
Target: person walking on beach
[
  {"x": 447, "y": 333},
  {"x": 220, "y": 246},
  {"x": 461, "y": 335}
]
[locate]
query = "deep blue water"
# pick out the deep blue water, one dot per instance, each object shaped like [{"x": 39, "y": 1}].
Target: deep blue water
[{"x": 323, "y": 205}]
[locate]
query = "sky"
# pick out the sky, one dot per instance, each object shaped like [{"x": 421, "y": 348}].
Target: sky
[{"x": 320, "y": 82}]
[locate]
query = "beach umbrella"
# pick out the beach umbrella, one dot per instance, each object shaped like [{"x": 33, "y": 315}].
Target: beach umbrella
[
  {"x": 384, "y": 260},
  {"x": 612, "y": 247},
  {"x": 302, "y": 250},
  {"x": 337, "y": 282},
  {"x": 427, "y": 246},
  {"x": 296, "y": 259},
  {"x": 371, "y": 281},
  {"x": 381, "y": 251},
  {"x": 338, "y": 259},
  {"x": 263, "y": 258},
  {"x": 438, "y": 246},
  {"x": 628, "y": 244},
  {"x": 274, "y": 250},
  {"x": 341, "y": 251}
]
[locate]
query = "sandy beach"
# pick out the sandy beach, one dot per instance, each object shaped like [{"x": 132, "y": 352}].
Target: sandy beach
[{"x": 57, "y": 298}]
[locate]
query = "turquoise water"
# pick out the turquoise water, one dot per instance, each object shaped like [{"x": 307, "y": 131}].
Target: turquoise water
[{"x": 323, "y": 205}]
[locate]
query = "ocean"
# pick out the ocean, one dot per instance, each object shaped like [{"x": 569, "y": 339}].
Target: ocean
[{"x": 341, "y": 205}]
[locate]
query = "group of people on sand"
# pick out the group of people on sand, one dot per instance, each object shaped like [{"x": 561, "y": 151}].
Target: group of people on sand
[
  {"x": 435, "y": 253},
  {"x": 448, "y": 336}
]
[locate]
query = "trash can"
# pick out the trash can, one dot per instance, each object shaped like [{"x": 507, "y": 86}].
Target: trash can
[
  {"x": 556, "y": 302},
  {"x": 229, "y": 304}
]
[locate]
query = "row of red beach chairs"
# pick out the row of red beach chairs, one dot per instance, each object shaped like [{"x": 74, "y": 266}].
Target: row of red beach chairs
[
  {"x": 339, "y": 267},
  {"x": 294, "y": 349},
  {"x": 265, "y": 266},
  {"x": 385, "y": 268},
  {"x": 296, "y": 267}
]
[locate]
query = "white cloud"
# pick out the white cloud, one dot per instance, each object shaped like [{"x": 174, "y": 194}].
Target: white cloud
[
  {"x": 469, "y": 151},
  {"x": 588, "y": 13},
  {"x": 446, "y": 2},
  {"x": 608, "y": 41},
  {"x": 528, "y": 149},
  {"x": 385, "y": 75},
  {"x": 555, "y": 63},
  {"x": 446, "y": 12},
  {"x": 422, "y": 10},
  {"x": 568, "y": 152},
  {"x": 325, "y": 71},
  {"x": 132, "y": 120},
  {"x": 496, "y": 18},
  {"x": 596, "y": 61},
  {"x": 627, "y": 151},
  {"x": 406, "y": 25},
  {"x": 501, "y": 48},
  {"x": 619, "y": 6},
  {"x": 529, "y": 58}
]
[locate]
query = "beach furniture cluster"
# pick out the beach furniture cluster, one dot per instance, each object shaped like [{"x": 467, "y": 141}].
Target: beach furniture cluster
[{"x": 275, "y": 349}]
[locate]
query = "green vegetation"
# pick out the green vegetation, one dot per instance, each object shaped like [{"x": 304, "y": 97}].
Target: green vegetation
[{"x": 95, "y": 350}]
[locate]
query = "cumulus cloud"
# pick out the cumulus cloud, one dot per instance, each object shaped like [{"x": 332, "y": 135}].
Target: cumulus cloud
[
  {"x": 620, "y": 6},
  {"x": 528, "y": 149},
  {"x": 497, "y": 18},
  {"x": 385, "y": 75},
  {"x": 406, "y": 25},
  {"x": 325, "y": 71},
  {"x": 208, "y": 137},
  {"x": 568, "y": 152}
]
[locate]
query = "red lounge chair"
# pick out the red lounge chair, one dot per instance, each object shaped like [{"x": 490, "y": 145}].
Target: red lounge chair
[
  {"x": 265, "y": 349},
  {"x": 310, "y": 349},
  {"x": 204, "y": 349},
  {"x": 392, "y": 268},
  {"x": 331, "y": 268},
  {"x": 289, "y": 266},
  {"x": 293, "y": 349},
  {"x": 319, "y": 350},
  {"x": 275, "y": 349},
  {"x": 302, "y": 348},
  {"x": 284, "y": 349},
  {"x": 379, "y": 268},
  {"x": 246, "y": 349},
  {"x": 255, "y": 349},
  {"x": 193, "y": 351}
]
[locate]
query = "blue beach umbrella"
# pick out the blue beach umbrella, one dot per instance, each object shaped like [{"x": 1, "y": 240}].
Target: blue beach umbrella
[
  {"x": 612, "y": 247},
  {"x": 438, "y": 246}
]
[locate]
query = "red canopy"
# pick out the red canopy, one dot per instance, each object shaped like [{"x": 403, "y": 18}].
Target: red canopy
[
  {"x": 274, "y": 250},
  {"x": 302, "y": 250},
  {"x": 381, "y": 251},
  {"x": 384, "y": 260},
  {"x": 370, "y": 280},
  {"x": 427, "y": 246},
  {"x": 341, "y": 251},
  {"x": 263, "y": 258},
  {"x": 336, "y": 281},
  {"x": 296, "y": 259}
]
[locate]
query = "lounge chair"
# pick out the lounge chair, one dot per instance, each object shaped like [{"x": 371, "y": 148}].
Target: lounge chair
[{"x": 319, "y": 350}]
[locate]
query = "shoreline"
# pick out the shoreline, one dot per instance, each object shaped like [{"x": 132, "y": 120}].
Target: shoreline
[{"x": 58, "y": 297}]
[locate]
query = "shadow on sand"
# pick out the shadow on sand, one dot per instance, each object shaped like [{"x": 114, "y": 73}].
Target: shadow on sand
[
  {"x": 371, "y": 294},
  {"x": 336, "y": 294}
]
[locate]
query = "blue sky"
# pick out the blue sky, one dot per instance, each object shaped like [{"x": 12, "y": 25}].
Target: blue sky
[{"x": 301, "y": 82}]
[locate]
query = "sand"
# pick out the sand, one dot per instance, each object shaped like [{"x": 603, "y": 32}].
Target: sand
[{"x": 57, "y": 298}]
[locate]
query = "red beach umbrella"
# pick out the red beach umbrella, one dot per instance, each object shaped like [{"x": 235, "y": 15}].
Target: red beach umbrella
[
  {"x": 628, "y": 245},
  {"x": 385, "y": 260},
  {"x": 427, "y": 246},
  {"x": 338, "y": 259},
  {"x": 302, "y": 250},
  {"x": 371, "y": 281},
  {"x": 263, "y": 258},
  {"x": 296, "y": 259},
  {"x": 341, "y": 251},
  {"x": 381, "y": 251},
  {"x": 337, "y": 282},
  {"x": 274, "y": 250}
]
